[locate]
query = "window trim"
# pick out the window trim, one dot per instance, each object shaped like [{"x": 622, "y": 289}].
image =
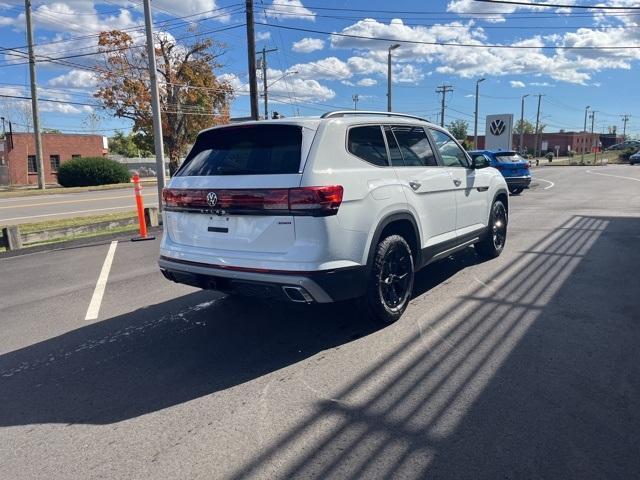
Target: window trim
[
  {"x": 386, "y": 146},
  {"x": 35, "y": 160},
  {"x": 441, "y": 162},
  {"x": 54, "y": 170},
  {"x": 436, "y": 156}
]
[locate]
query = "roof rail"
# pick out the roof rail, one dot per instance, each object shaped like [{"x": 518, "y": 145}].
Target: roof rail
[{"x": 342, "y": 113}]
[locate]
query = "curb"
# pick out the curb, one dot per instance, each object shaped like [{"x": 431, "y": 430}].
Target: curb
[{"x": 78, "y": 243}]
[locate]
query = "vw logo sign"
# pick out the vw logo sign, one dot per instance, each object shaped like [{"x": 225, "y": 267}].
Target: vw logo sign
[
  {"x": 212, "y": 199},
  {"x": 497, "y": 127}
]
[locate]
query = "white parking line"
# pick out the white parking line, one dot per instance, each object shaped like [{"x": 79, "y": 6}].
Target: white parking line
[
  {"x": 615, "y": 176},
  {"x": 96, "y": 299},
  {"x": 551, "y": 184}
]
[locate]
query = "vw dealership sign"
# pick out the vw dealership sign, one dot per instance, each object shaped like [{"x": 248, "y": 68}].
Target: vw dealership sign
[{"x": 499, "y": 132}]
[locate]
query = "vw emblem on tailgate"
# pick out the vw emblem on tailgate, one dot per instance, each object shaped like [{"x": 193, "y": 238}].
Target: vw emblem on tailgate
[
  {"x": 212, "y": 199},
  {"x": 497, "y": 127}
]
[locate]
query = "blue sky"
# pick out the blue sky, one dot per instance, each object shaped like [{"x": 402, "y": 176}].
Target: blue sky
[{"x": 330, "y": 69}]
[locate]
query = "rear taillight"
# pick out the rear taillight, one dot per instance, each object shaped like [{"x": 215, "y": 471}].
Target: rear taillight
[{"x": 309, "y": 201}]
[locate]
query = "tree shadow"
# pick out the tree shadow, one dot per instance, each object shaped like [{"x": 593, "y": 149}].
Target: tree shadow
[
  {"x": 534, "y": 374},
  {"x": 173, "y": 352}
]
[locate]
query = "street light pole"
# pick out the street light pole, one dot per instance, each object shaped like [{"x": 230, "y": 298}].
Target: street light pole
[
  {"x": 391, "y": 48},
  {"x": 158, "y": 141},
  {"x": 585, "y": 131},
  {"x": 475, "y": 119},
  {"x": 522, "y": 122}
]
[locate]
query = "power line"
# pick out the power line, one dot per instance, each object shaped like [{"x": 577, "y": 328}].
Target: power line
[
  {"x": 448, "y": 44},
  {"x": 558, "y": 5}
]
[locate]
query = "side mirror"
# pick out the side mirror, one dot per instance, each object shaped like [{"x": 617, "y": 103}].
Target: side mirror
[{"x": 480, "y": 161}]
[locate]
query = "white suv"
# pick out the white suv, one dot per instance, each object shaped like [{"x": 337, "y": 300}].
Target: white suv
[{"x": 345, "y": 206}]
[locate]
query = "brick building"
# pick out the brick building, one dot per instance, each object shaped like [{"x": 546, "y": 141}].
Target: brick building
[
  {"x": 564, "y": 142},
  {"x": 18, "y": 165}
]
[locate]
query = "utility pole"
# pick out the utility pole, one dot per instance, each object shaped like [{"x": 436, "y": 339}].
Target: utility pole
[
  {"x": 537, "y": 137},
  {"x": 625, "y": 119},
  {"x": 265, "y": 87},
  {"x": 355, "y": 99},
  {"x": 593, "y": 120},
  {"x": 586, "y": 110},
  {"x": 34, "y": 97},
  {"x": 475, "y": 116},
  {"x": 155, "y": 103},
  {"x": 391, "y": 48},
  {"x": 443, "y": 89},
  {"x": 251, "y": 53},
  {"x": 522, "y": 122}
]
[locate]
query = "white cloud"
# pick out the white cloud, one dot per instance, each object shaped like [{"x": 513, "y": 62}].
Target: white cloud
[
  {"x": 330, "y": 68},
  {"x": 292, "y": 86},
  {"x": 572, "y": 66},
  {"x": 289, "y": 9},
  {"x": 262, "y": 36},
  {"x": 517, "y": 84},
  {"x": 367, "y": 82},
  {"x": 74, "y": 79},
  {"x": 308, "y": 45},
  {"x": 494, "y": 12}
]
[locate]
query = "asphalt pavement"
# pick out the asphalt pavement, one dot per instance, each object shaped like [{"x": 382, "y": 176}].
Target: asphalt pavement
[
  {"x": 17, "y": 210},
  {"x": 526, "y": 366}
]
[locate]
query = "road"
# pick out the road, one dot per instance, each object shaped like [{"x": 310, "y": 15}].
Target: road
[
  {"x": 527, "y": 366},
  {"x": 16, "y": 210}
]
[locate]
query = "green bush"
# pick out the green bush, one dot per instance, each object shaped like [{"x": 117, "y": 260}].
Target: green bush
[
  {"x": 89, "y": 171},
  {"x": 549, "y": 156}
]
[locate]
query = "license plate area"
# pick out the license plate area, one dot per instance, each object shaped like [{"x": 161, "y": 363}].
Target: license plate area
[{"x": 221, "y": 225}]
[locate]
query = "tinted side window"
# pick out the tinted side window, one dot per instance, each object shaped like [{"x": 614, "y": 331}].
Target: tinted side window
[
  {"x": 368, "y": 144},
  {"x": 245, "y": 150},
  {"x": 452, "y": 155},
  {"x": 394, "y": 150},
  {"x": 415, "y": 147}
]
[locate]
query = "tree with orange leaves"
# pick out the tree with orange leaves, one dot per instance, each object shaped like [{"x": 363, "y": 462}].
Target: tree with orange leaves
[{"x": 191, "y": 95}]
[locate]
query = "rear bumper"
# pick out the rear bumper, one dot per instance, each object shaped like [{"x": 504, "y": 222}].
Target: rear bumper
[
  {"x": 324, "y": 286},
  {"x": 523, "y": 182}
]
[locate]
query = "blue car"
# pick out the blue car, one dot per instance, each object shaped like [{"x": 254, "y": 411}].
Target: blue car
[{"x": 512, "y": 166}]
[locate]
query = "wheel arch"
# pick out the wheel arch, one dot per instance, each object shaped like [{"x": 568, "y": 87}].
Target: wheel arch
[{"x": 401, "y": 223}]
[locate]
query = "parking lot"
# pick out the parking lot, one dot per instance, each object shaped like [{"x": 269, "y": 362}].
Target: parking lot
[{"x": 527, "y": 366}]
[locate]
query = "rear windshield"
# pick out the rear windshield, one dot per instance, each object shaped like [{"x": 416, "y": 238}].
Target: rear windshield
[
  {"x": 245, "y": 150},
  {"x": 509, "y": 157}
]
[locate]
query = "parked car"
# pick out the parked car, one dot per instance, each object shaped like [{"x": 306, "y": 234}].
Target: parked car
[
  {"x": 635, "y": 158},
  {"x": 317, "y": 210},
  {"x": 623, "y": 145},
  {"x": 514, "y": 168}
]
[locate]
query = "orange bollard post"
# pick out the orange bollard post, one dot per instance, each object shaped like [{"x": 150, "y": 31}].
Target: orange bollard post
[{"x": 140, "y": 206}]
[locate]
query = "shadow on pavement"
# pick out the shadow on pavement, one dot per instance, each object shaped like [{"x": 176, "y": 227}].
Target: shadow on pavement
[
  {"x": 535, "y": 374},
  {"x": 173, "y": 352}
]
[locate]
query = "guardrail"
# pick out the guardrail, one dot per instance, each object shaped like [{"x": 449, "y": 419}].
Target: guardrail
[{"x": 13, "y": 239}]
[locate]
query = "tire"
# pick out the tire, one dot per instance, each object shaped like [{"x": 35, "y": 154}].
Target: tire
[
  {"x": 493, "y": 243},
  {"x": 390, "y": 281},
  {"x": 516, "y": 190}
]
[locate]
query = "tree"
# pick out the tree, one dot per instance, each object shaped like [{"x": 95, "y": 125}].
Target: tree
[
  {"x": 525, "y": 125},
  {"x": 191, "y": 96},
  {"x": 458, "y": 128},
  {"x": 121, "y": 144}
]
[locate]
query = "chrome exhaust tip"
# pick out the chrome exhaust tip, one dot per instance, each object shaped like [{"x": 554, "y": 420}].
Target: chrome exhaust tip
[{"x": 297, "y": 294}]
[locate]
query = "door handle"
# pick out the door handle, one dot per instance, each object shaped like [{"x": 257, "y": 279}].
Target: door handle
[
  {"x": 456, "y": 182},
  {"x": 415, "y": 185}
]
